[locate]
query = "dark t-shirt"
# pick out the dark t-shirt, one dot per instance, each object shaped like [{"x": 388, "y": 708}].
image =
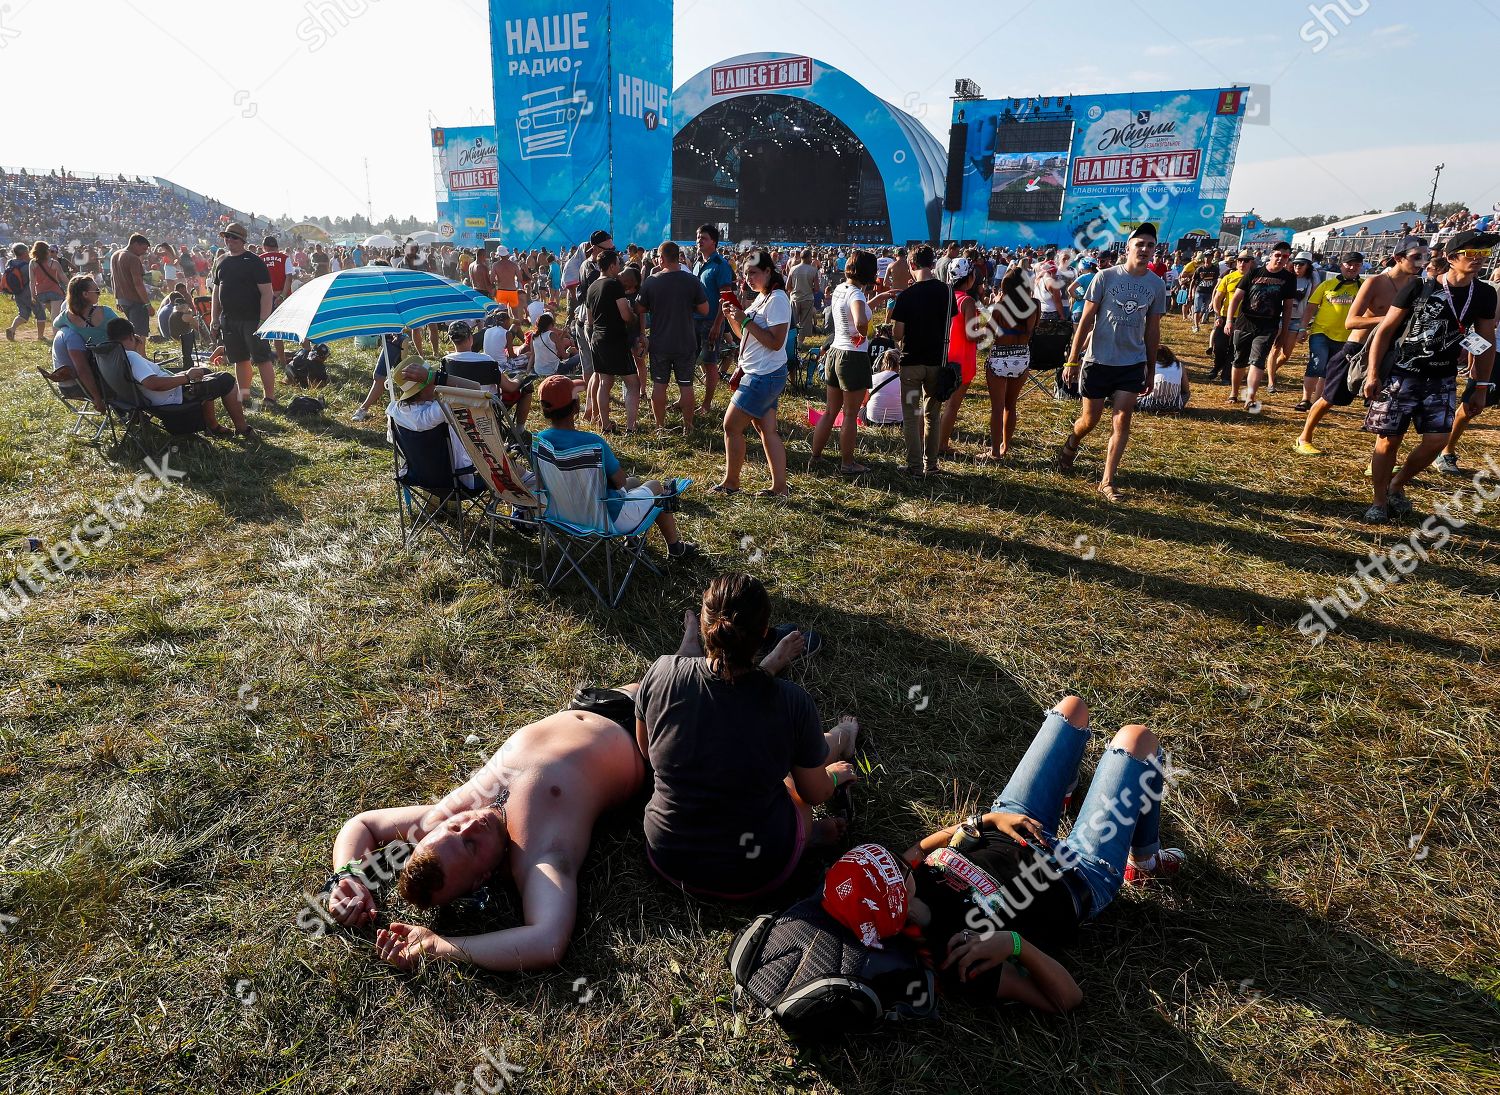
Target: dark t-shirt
[
  {"x": 1043, "y": 914},
  {"x": 239, "y": 280},
  {"x": 321, "y": 263},
  {"x": 1430, "y": 346},
  {"x": 606, "y": 326},
  {"x": 671, "y": 298},
  {"x": 1266, "y": 294},
  {"x": 925, "y": 307},
  {"x": 720, "y": 752}
]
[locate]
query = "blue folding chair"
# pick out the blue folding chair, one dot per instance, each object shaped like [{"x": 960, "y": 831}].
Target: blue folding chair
[{"x": 575, "y": 520}]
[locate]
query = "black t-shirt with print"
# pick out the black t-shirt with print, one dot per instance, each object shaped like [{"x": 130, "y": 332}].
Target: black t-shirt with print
[
  {"x": 1266, "y": 294},
  {"x": 1430, "y": 348}
]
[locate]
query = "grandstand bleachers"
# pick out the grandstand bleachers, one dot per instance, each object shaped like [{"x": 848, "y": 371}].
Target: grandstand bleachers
[{"x": 91, "y": 207}]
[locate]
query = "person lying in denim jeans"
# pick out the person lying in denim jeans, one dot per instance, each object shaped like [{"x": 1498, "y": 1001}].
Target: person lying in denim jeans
[{"x": 993, "y": 899}]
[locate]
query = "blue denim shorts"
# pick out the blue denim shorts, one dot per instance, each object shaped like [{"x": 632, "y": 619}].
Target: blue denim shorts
[
  {"x": 759, "y": 393},
  {"x": 1319, "y": 349},
  {"x": 49, "y": 297}
]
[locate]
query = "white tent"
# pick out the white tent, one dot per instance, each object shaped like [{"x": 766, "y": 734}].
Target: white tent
[{"x": 1313, "y": 238}]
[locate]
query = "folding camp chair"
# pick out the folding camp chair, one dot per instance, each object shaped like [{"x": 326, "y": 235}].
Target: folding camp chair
[
  {"x": 478, "y": 419},
  {"x": 487, "y": 375},
  {"x": 76, "y": 399},
  {"x": 429, "y": 490},
  {"x": 130, "y": 408},
  {"x": 576, "y": 520}
]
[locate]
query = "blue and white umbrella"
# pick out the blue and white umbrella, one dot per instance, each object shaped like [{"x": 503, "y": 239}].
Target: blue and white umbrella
[{"x": 371, "y": 300}]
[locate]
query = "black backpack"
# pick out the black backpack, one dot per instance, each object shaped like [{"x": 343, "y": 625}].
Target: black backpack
[{"x": 817, "y": 980}]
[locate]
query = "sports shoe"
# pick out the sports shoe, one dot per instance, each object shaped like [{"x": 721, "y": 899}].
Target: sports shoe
[
  {"x": 1376, "y": 515},
  {"x": 1447, "y": 463},
  {"x": 1399, "y": 505},
  {"x": 682, "y": 549},
  {"x": 1302, "y": 405},
  {"x": 1302, "y": 448},
  {"x": 1165, "y": 864},
  {"x": 359, "y": 415}
]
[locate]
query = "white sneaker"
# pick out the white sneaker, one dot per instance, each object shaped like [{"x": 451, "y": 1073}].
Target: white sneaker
[{"x": 359, "y": 415}]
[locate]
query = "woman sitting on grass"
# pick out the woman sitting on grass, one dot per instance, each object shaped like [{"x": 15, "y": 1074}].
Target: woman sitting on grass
[
  {"x": 1169, "y": 387},
  {"x": 992, "y": 900},
  {"x": 738, "y": 755}
]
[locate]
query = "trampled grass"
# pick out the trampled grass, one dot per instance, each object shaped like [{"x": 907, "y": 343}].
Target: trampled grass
[{"x": 188, "y": 717}]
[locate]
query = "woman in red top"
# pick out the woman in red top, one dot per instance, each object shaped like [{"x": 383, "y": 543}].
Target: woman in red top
[{"x": 962, "y": 348}]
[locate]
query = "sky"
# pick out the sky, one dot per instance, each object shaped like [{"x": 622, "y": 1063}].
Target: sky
[{"x": 242, "y": 102}]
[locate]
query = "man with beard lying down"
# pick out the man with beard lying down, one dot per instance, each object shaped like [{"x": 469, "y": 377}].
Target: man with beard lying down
[{"x": 529, "y": 812}]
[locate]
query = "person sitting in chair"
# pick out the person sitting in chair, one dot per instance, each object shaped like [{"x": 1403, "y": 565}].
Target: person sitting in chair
[
  {"x": 514, "y": 392},
  {"x": 529, "y": 812},
  {"x": 414, "y": 406},
  {"x": 162, "y": 388},
  {"x": 630, "y": 500}
]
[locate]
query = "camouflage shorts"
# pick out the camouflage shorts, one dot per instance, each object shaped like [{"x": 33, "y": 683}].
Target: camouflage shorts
[{"x": 1428, "y": 403}]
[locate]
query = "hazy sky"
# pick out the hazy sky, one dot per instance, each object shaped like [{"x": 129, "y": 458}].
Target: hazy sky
[{"x": 241, "y": 101}]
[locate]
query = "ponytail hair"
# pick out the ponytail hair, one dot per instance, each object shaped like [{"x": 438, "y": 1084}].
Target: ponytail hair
[
  {"x": 733, "y": 623},
  {"x": 762, "y": 260}
]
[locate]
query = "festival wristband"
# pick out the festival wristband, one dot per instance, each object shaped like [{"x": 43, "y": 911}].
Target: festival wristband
[
  {"x": 1015, "y": 944},
  {"x": 835, "y": 776}
]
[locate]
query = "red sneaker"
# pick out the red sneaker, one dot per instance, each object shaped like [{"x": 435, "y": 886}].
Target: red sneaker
[{"x": 1167, "y": 863}]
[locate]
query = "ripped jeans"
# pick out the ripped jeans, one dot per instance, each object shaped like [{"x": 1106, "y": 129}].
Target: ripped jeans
[{"x": 1120, "y": 814}]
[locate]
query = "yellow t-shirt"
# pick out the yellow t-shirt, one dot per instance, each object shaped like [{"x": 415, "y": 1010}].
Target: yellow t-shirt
[
  {"x": 1333, "y": 300},
  {"x": 1227, "y": 285}
]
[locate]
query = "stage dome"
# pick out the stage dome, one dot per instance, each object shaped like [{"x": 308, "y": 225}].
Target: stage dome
[{"x": 786, "y": 149}]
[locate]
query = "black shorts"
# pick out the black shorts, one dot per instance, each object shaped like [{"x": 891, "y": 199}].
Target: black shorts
[
  {"x": 673, "y": 365},
  {"x": 1102, "y": 381},
  {"x": 613, "y": 358},
  {"x": 1252, "y": 345},
  {"x": 213, "y": 386},
  {"x": 241, "y": 343},
  {"x": 1336, "y": 376},
  {"x": 616, "y": 706}
]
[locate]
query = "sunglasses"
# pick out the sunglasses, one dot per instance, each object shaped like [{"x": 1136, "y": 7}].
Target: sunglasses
[{"x": 1474, "y": 253}]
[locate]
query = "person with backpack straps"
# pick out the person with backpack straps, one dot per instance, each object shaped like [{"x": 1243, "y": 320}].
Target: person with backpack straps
[
  {"x": 48, "y": 287},
  {"x": 15, "y": 280},
  {"x": 1430, "y": 323}
]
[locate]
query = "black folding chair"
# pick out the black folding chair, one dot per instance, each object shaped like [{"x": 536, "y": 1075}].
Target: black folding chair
[
  {"x": 430, "y": 492},
  {"x": 134, "y": 414}
]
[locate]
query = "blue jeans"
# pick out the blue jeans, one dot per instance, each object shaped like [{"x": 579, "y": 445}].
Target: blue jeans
[
  {"x": 1120, "y": 814},
  {"x": 1319, "y": 349}
]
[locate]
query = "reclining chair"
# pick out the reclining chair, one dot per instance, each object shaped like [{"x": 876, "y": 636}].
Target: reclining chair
[
  {"x": 576, "y": 522},
  {"x": 72, "y": 395}
]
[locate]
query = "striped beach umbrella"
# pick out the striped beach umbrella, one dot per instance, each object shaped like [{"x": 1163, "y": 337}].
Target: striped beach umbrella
[{"x": 371, "y": 300}]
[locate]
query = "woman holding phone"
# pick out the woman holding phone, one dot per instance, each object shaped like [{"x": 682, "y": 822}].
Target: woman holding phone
[{"x": 761, "y": 374}]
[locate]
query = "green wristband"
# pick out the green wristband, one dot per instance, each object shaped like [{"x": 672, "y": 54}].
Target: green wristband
[
  {"x": 835, "y": 776},
  {"x": 1015, "y": 944}
]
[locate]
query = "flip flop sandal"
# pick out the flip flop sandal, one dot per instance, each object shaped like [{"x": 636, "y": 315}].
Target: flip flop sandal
[{"x": 720, "y": 488}]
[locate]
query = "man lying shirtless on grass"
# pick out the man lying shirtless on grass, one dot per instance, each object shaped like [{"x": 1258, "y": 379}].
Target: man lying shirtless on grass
[{"x": 534, "y": 803}]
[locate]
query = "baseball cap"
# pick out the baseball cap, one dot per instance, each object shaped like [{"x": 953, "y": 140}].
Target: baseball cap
[
  {"x": 236, "y": 229},
  {"x": 598, "y": 236},
  {"x": 1146, "y": 230},
  {"x": 1471, "y": 241},
  {"x": 1303, "y": 256},
  {"x": 864, "y": 891},
  {"x": 459, "y": 329},
  {"x": 1243, "y": 255},
  {"x": 556, "y": 393},
  {"x": 958, "y": 269},
  {"x": 1353, "y": 256}
]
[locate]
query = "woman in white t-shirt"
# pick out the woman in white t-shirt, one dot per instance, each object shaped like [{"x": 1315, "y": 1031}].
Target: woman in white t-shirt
[
  {"x": 762, "y": 329},
  {"x": 883, "y": 407},
  {"x": 846, "y": 360}
]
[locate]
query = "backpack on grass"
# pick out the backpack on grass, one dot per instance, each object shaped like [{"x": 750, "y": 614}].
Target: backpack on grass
[{"x": 817, "y": 980}]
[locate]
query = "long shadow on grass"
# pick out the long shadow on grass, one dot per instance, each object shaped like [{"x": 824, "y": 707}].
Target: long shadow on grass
[
  {"x": 1234, "y": 603},
  {"x": 242, "y": 478}
]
